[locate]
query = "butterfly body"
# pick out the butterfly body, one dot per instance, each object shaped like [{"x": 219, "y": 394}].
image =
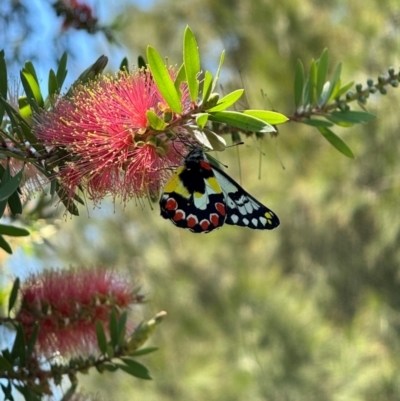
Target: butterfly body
[{"x": 201, "y": 198}]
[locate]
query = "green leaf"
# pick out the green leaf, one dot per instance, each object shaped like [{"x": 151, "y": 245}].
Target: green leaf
[
  {"x": 3, "y": 83},
  {"x": 14, "y": 203},
  {"x": 13, "y": 294},
  {"x": 142, "y": 62},
  {"x": 122, "y": 327},
  {"x": 5, "y": 245},
  {"x": 191, "y": 60},
  {"x": 201, "y": 119},
  {"x": 227, "y": 100},
  {"x": 62, "y": 70},
  {"x": 5, "y": 366},
  {"x": 209, "y": 139},
  {"x": 13, "y": 116},
  {"x": 155, "y": 122},
  {"x": 312, "y": 82},
  {"x": 206, "y": 91},
  {"x": 5, "y": 177},
  {"x": 32, "y": 90},
  {"x": 163, "y": 80},
  {"x": 10, "y": 187},
  {"x": 298, "y": 83},
  {"x": 31, "y": 70},
  {"x": 64, "y": 197},
  {"x": 215, "y": 81},
  {"x": 344, "y": 89},
  {"x": 241, "y": 121},
  {"x": 101, "y": 338},
  {"x": 135, "y": 369},
  {"x": 32, "y": 340},
  {"x": 335, "y": 141},
  {"x": 124, "y": 65},
  {"x": 144, "y": 351},
  {"x": 322, "y": 71},
  {"x": 180, "y": 77},
  {"x": 53, "y": 86},
  {"x": 270, "y": 117},
  {"x": 24, "y": 107},
  {"x": 351, "y": 116},
  {"x": 13, "y": 231},
  {"x": 335, "y": 83},
  {"x": 113, "y": 327},
  {"x": 316, "y": 123},
  {"x": 325, "y": 93},
  {"x": 19, "y": 346},
  {"x": 110, "y": 367}
]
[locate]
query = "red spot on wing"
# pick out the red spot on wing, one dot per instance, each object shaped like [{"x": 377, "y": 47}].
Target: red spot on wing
[
  {"x": 220, "y": 208},
  {"x": 205, "y": 165},
  {"x": 214, "y": 218},
  {"x": 171, "y": 204},
  {"x": 192, "y": 221},
  {"x": 204, "y": 224},
  {"x": 179, "y": 215}
]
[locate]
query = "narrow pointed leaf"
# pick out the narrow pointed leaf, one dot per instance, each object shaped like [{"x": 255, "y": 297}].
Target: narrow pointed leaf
[
  {"x": 322, "y": 70},
  {"x": 343, "y": 89},
  {"x": 155, "y": 122},
  {"x": 201, "y": 119},
  {"x": 124, "y": 65},
  {"x": 62, "y": 70},
  {"x": 5, "y": 366},
  {"x": 3, "y": 83},
  {"x": 142, "y": 62},
  {"x": 336, "y": 142},
  {"x": 135, "y": 369},
  {"x": 14, "y": 203},
  {"x": 215, "y": 81},
  {"x": 206, "y": 91},
  {"x": 13, "y": 231},
  {"x": 180, "y": 77},
  {"x": 351, "y": 116},
  {"x": 325, "y": 94},
  {"x": 13, "y": 294},
  {"x": 53, "y": 86},
  {"x": 241, "y": 121},
  {"x": 101, "y": 338},
  {"x": 312, "y": 82},
  {"x": 163, "y": 80},
  {"x": 144, "y": 351},
  {"x": 335, "y": 82},
  {"x": 298, "y": 83},
  {"x": 114, "y": 333},
  {"x": 270, "y": 117},
  {"x": 32, "y": 89},
  {"x": 11, "y": 186},
  {"x": 317, "y": 123},
  {"x": 227, "y": 100},
  {"x": 5, "y": 245},
  {"x": 191, "y": 59}
]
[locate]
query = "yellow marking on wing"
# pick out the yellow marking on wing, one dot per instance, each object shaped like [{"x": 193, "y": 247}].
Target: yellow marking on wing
[
  {"x": 175, "y": 184},
  {"x": 198, "y": 194},
  {"x": 213, "y": 183},
  {"x": 268, "y": 216}
]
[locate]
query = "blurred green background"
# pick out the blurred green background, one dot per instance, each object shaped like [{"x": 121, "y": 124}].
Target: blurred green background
[{"x": 309, "y": 311}]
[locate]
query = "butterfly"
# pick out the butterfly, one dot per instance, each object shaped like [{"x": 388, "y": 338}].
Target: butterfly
[{"x": 201, "y": 198}]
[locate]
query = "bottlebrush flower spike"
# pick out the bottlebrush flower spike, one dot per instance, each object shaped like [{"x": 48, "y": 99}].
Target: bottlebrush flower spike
[
  {"x": 66, "y": 305},
  {"x": 111, "y": 147}
]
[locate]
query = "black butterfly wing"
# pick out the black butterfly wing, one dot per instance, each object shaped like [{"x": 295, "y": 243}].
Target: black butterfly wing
[
  {"x": 193, "y": 199},
  {"x": 242, "y": 209}
]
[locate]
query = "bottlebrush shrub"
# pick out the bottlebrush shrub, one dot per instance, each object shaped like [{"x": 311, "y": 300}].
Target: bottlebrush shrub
[{"x": 68, "y": 321}]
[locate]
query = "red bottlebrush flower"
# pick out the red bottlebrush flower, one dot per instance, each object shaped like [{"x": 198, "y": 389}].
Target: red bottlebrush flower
[
  {"x": 66, "y": 305},
  {"x": 111, "y": 147},
  {"x": 76, "y": 15}
]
